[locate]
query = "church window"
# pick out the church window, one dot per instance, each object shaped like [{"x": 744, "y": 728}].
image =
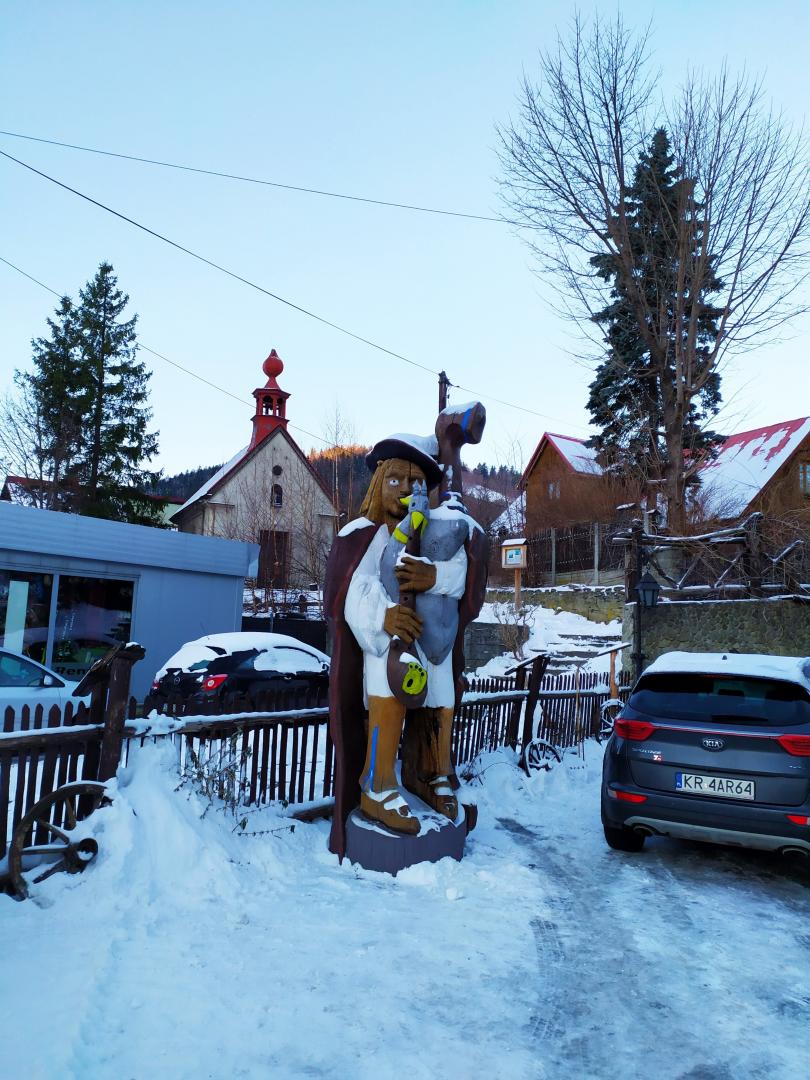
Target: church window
[{"x": 278, "y": 495}]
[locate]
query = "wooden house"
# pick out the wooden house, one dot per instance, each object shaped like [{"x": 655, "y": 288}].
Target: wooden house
[
  {"x": 765, "y": 469},
  {"x": 565, "y": 485}
]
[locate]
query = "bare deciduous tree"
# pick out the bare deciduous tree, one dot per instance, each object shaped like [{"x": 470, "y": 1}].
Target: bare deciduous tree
[{"x": 744, "y": 218}]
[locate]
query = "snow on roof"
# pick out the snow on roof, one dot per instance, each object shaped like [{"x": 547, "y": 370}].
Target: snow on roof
[
  {"x": 212, "y": 480},
  {"x": 513, "y": 518},
  {"x": 746, "y": 462},
  {"x": 580, "y": 457},
  {"x": 485, "y": 494},
  {"x": 792, "y": 668}
]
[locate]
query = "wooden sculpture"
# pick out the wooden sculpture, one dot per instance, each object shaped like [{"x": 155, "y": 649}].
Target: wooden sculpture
[{"x": 403, "y": 581}]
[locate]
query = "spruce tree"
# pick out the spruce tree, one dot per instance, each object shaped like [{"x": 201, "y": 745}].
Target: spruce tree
[
  {"x": 110, "y": 472},
  {"x": 55, "y": 400},
  {"x": 90, "y": 392},
  {"x": 632, "y": 395}
]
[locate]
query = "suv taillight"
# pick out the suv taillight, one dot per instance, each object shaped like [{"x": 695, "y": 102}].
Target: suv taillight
[
  {"x": 211, "y": 682},
  {"x": 156, "y": 684},
  {"x": 799, "y": 745},
  {"x": 635, "y": 730}
]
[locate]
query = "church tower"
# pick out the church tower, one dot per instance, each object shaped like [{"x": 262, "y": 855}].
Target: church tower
[{"x": 271, "y": 401}]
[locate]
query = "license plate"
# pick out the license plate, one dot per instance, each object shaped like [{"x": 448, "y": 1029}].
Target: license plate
[{"x": 729, "y": 787}]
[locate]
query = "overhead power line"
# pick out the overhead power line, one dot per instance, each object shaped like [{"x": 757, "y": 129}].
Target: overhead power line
[
  {"x": 154, "y": 352},
  {"x": 274, "y": 296},
  {"x": 258, "y": 180}
]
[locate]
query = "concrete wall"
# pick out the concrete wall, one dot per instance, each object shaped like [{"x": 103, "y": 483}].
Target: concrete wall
[
  {"x": 597, "y": 603},
  {"x": 780, "y": 626}
]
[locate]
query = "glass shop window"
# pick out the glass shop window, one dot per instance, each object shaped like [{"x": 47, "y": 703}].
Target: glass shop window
[
  {"x": 92, "y": 615},
  {"x": 25, "y": 604}
]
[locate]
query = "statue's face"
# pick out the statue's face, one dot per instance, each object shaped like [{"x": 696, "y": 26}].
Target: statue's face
[{"x": 398, "y": 479}]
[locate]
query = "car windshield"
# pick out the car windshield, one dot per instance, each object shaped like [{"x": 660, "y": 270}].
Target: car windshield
[{"x": 721, "y": 699}]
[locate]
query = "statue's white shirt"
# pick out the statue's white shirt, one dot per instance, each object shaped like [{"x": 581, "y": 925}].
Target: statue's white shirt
[{"x": 366, "y": 604}]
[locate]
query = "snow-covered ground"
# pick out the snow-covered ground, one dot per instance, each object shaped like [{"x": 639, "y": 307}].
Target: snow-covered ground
[
  {"x": 548, "y": 629},
  {"x": 187, "y": 950}
]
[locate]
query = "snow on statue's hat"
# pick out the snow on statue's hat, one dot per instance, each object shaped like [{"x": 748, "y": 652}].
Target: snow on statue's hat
[{"x": 421, "y": 450}]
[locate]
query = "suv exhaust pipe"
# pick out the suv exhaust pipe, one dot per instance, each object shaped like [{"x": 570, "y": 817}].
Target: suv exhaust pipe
[
  {"x": 643, "y": 830},
  {"x": 793, "y": 852}
]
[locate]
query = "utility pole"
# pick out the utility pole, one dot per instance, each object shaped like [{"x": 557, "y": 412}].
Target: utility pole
[{"x": 444, "y": 384}]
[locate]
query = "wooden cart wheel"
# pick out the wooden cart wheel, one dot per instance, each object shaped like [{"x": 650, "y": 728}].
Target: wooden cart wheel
[
  {"x": 540, "y": 755},
  {"x": 39, "y": 840},
  {"x": 607, "y": 714}
]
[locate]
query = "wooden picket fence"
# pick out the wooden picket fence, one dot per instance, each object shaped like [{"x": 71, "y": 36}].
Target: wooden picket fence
[{"x": 284, "y": 753}]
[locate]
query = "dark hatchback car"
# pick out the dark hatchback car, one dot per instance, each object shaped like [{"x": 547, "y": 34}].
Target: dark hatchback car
[
  {"x": 219, "y": 665},
  {"x": 714, "y": 747}
]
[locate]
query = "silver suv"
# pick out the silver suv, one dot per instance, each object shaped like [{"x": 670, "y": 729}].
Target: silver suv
[{"x": 716, "y": 747}]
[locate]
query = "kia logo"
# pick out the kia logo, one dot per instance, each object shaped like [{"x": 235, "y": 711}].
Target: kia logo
[{"x": 713, "y": 744}]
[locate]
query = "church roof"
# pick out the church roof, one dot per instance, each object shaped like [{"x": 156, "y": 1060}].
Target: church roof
[{"x": 212, "y": 485}]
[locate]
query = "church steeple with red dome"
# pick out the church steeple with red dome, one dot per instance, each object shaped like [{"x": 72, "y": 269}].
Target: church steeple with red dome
[{"x": 271, "y": 401}]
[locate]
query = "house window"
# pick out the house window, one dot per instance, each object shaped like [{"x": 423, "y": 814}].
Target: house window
[
  {"x": 804, "y": 477},
  {"x": 554, "y": 489},
  {"x": 278, "y": 495}
]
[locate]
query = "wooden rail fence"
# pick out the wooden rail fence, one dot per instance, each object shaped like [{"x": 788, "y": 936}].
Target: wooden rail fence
[{"x": 283, "y": 753}]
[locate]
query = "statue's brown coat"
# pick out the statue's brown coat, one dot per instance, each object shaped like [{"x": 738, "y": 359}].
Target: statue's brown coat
[{"x": 346, "y": 710}]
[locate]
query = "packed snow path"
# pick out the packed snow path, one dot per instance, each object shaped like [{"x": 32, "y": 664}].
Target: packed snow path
[{"x": 190, "y": 951}]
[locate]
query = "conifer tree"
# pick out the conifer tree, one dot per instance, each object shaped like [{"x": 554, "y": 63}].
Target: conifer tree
[
  {"x": 632, "y": 395},
  {"x": 53, "y": 401},
  {"x": 89, "y": 393},
  {"x": 110, "y": 472}
]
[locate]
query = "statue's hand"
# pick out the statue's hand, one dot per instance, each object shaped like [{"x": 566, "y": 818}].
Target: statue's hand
[
  {"x": 403, "y": 623},
  {"x": 415, "y": 575}
]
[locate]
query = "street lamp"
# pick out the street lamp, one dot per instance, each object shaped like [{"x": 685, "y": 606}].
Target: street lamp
[{"x": 647, "y": 592}]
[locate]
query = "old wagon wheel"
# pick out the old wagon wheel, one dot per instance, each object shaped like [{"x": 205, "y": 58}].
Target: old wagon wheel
[
  {"x": 540, "y": 755},
  {"x": 607, "y": 714},
  {"x": 56, "y": 850}
]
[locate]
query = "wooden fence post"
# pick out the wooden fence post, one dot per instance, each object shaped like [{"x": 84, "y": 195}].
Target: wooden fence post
[
  {"x": 539, "y": 665},
  {"x": 597, "y": 543},
  {"x": 117, "y": 708},
  {"x": 754, "y": 554},
  {"x": 514, "y": 714},
  {"x": 553, "y": 557}
]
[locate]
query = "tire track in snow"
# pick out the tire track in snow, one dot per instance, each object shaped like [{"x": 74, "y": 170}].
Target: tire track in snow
[{"x": 632, "y": 968}]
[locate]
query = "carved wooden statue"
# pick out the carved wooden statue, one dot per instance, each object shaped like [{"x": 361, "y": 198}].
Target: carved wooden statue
[{"x": 403, "y": 581}]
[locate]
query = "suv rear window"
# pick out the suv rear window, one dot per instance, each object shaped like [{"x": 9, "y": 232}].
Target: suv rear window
[{"x": 721, "y": 699}]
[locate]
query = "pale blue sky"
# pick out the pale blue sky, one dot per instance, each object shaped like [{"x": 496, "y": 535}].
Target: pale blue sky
[{"x": 395, "y": 101}]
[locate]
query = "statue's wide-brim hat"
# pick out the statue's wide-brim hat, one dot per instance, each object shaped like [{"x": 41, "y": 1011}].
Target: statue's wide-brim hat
[{"x": 421, "y": 450}]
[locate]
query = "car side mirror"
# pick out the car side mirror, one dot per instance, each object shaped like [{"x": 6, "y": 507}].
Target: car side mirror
[{"x": 48, "y": 680}]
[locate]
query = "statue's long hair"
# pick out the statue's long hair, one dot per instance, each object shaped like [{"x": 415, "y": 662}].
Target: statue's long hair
[{"x": 372, "y": 505}]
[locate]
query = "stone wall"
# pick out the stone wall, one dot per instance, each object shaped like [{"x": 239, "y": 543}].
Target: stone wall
[
  {"x": 595, "y": 602},
  {"x": 483, "y": 641},
  {"x": 780, "y": 625}
]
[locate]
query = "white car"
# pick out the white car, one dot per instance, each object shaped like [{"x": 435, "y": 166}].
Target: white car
[{"x": 25, "y": 682}]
